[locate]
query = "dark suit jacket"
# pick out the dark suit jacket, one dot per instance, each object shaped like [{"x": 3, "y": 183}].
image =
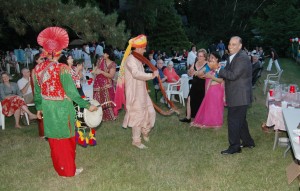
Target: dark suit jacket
[{"x": 238, "y": 80}]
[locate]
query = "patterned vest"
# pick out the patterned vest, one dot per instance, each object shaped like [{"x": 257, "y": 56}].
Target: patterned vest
[{"x": 48, "y": 77}]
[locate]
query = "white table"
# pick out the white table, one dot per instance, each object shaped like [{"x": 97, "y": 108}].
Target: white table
[
  {"x": 88, "y": 90},
  {"x": 292, "y": 119}
]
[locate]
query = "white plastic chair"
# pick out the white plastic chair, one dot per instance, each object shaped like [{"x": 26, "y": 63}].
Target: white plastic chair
[
  {"x": 26, "y": 115},
  {"x": 272, "y": 79},
  {"x": 2, "y": 117},
  {"x": 172, "y": 90}
]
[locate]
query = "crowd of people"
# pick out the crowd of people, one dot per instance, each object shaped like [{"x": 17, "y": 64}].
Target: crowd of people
[{"x": 218, "y": 78}]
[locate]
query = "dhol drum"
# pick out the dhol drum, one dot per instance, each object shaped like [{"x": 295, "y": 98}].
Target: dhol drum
[{"x": 93, "y": 119}]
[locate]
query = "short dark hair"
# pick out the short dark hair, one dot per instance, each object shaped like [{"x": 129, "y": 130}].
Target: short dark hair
[
  {"x": 217, "y": 55},
  {"x": 78, "y": 62},
  {"x": 63, "y": 59},
  {"x": 110, "y": 53}
]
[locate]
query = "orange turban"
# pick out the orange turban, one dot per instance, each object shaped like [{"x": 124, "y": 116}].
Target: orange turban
[
  {"x": 53, "y": 40},
  {"x": 139, "y": 41},
  {"x": 136, "y": 42}
]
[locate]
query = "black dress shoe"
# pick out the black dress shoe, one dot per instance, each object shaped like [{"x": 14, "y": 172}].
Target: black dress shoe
[
  {"x": 247, "y": 146},
  {"x": 230, "y": 151},
  {"x": 185, "y": 120}
]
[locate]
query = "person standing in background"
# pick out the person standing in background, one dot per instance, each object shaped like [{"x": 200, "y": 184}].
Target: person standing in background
[
  {"x": 191, "y": 56},
  {"x": 28, "y": 54},
  {"x": 87, "y": 57},
  {"x": 273, "y": 59},
  {"x": 221, "y": 48}
]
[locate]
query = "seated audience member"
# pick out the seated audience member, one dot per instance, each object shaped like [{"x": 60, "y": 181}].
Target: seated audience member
[
  {"x": 174, "y": 57},
  {"x": 11, "y": 100},
  {"x": 256, "y": 67},
  {"x": 184, "y": 54},
  {"x": 171, "y": 75},
  {"x": 153, "y": 62},
  {"x": 157, "y": 55},
  {"x": 25, "y": 86},
  {"x": 164, "y": 56},
  {"x": 159, "y": 65}
]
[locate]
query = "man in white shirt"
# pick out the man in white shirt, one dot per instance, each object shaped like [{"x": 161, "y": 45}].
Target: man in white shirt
[
  {"x": 99, "y": 50},
  {"x": 25, "y": 86},
  {"x": 28, "y": 54},
  {"x": 192, "y": 56},
  {"x": 86, "y": 56}
]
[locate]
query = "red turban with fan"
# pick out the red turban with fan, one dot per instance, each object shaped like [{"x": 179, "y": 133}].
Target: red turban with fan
[{"x": 53, "y": 40}]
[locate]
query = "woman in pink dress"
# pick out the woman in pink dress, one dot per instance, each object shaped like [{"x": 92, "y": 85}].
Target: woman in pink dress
[
  {"x": 210, "y": 113},
  {"x": 103, "y": 86}
]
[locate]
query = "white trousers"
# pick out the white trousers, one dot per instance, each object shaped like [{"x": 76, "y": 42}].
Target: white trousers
[{"x": 271, "y": 63}]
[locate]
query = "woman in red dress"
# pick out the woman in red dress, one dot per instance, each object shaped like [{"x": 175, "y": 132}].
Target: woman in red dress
[
  {"x": 103, "y": 86},
  {"x": 11, "y": 100},
  {"x": 171, "y": 75}
]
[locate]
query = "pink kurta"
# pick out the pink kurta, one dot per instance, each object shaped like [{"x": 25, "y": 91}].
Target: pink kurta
[{"x": 140, "y": 113}]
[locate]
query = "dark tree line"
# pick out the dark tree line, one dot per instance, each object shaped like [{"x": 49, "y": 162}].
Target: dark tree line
[{"x": 172, "y": 23}]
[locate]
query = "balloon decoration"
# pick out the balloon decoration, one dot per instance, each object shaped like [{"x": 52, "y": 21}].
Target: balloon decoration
[{"x": 295, "y": 48}]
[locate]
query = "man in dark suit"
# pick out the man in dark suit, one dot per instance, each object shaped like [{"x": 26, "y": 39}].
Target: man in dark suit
[{"x": 238, "y": 89}]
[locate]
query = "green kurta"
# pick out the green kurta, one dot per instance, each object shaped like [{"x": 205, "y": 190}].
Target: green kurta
[{"x": 59, "y": 115}]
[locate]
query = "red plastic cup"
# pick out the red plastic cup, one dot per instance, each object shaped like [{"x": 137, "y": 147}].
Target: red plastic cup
[
  {"x": 271, "y": 92},
  {"x": 292, "y": 89}
]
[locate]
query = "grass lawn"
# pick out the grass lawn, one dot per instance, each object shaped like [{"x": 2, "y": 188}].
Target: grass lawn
[{"x": 178, "y": 158}]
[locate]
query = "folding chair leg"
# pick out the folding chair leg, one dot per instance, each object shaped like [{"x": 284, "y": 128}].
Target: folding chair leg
[
  {"x": 287, "y": 149},
  {"x": 27, "y": 119},
  {"x": 265, "y": 87},
  {"x": 275, "y": 139}
]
